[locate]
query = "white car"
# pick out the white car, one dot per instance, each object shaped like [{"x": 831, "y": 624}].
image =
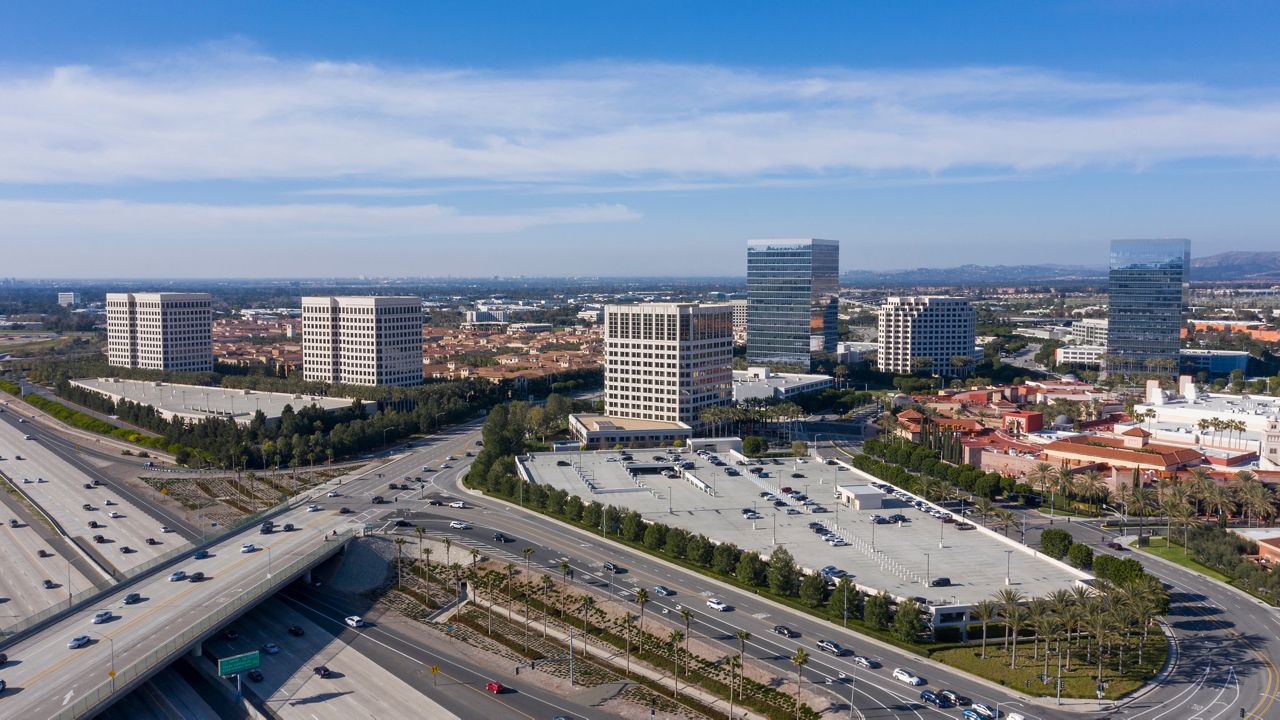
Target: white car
[
  {"x": 458, "y": 504},
  {"x": 717, "y": 605},
  {"x": 313, "y": 508},
  {"x": 102, "y": 616},
  {"x": 178, "y": 576},
  {"x": 906, "y": 676},
  {"x": 1014, "y": 716},
  {"x": 459, "y": 525},
  {"x": 78, "y": 641},
  {"x": 333, "y": 493},
  {"x": 114, "y": 514},
  {"x": 983, "y": 710},
  {"x": 248, "y": 548},
  {"x": 354, "y": 621}
]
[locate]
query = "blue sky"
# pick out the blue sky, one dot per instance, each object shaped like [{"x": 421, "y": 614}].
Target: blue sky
[{"x": 487, "y": 138}]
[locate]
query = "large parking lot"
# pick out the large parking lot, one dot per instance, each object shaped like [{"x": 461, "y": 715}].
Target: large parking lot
[{"x": 743, "y": 502}]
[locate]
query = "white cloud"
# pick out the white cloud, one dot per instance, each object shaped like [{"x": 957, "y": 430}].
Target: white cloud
[
  {"x": 228, "y": 116},
  {"x": 187, "y": 225}
]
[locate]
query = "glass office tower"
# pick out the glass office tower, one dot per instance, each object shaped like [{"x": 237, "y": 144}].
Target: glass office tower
[
  {"x": 1144, "y": 315},
  {"x": 792, "y": 288}
]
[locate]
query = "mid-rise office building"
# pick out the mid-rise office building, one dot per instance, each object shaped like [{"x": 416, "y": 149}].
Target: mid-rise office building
[
  {"x": 667, "y": 361},
  {"x": 1144, "y": 314},
  {"x": 362, "y": 340},
  {"x": 792, "y": 303},
  {"x": 739, "y": 315},
  {"x": 68, "y": 299},
  {"x": 925, "y": 333},
  {"x": 1090, "y": 331},
  {"x": 160, "y": 331}
]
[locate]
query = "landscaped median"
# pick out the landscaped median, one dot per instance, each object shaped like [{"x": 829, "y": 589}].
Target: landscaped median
[{"x": 1219, "y": 554}]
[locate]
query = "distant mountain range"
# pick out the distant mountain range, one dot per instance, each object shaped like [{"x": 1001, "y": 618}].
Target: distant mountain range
[{"x": 1228, "y": 266}]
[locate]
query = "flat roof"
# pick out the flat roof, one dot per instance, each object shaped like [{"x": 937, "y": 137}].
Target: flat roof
[
  {"x": 974, "y": 560},
  {"x": 198, "y": 401},
  {"x": 860, "y": 490},
  {"x": 603, "y": 423}
]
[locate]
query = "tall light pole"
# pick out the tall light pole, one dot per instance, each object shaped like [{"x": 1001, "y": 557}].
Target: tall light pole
[
  {"x": 1008, "y": 567},
  {"x": 926, "y": 570}
]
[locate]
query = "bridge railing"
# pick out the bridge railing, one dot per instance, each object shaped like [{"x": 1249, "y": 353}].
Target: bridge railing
[{"x": 173, "y": 647}]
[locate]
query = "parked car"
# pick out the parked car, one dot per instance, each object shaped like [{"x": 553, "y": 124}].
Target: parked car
[
  {"x": 152, "y": 541},
  {"x": 344, "y": 511},
  {"x": 906, "y": 676},
  {"x": 940, "y": 582}
]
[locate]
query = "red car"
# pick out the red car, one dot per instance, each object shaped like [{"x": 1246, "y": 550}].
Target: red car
[
  {"x": 1114, "y": 546},
  {"x": 494, "y": 687}
]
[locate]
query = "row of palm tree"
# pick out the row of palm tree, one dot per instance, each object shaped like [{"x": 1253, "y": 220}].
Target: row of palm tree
[
  {"x": 1106, "y": 618},
  {"x": 734, "y": 417},
  {"x": 1215, "y": 425}
]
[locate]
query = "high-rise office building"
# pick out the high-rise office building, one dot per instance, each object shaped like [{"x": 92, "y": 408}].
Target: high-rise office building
[
  {"x": 667, "y": 361},
  {"x": 160, "y": 331},
  {"x": 362, "y": 340},
  {"x": 926, "y": 333},
  {"x": 68, "y": 299},
  {"x": 792, "y": 289},
  {"x": 1144, "y": 314}
]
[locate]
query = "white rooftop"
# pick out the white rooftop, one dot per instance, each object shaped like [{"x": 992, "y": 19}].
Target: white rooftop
[{"x": 197, "y": 401}]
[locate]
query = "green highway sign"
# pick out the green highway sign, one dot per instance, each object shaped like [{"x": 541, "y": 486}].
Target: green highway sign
[{"x": 238, "y": 663}]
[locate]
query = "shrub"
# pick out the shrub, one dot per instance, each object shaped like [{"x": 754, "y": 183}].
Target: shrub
[{"x": 1081, "y": 556}]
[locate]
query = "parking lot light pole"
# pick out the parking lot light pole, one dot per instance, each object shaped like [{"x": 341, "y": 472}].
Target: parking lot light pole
[
  {"x": 1008, "y": 567},
  {"x": 926, "y": 569}
]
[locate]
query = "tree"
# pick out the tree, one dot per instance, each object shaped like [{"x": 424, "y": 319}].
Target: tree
[
  {"x": 799, "y": 448},
  {"x": 675, "y": 637},
  {"x": 813, "y": 590},
  {"x": 751, "y": 570},
  {"x": 1081, "y": 556},
  {"x": 642, "y": 599},
  {"x": 875, "y": 611},
  {"x": 984, "y": 612},
  {"x": 1055, "y": 543},
  {"x": 800, "y": 659},
  {"x": 754, "y": 446},
  {"x": 687, "y": 615},
  {"x": 783, "y": 574},
  {"x": 907, "y": 623},
  {"x": 724, "y": 559},
  {"x": 743, "y": 636}
]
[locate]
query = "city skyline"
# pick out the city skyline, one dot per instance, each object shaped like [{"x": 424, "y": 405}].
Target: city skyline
[{"x": 320, "y": 141}]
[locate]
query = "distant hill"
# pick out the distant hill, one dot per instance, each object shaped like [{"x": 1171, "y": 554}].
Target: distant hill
[
  {"x": 1239, "y": 266},
  {"x": 1228, "y": 266}
]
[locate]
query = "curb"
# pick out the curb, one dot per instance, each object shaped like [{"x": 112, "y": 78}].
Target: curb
[{"x": 997, "y": 687}]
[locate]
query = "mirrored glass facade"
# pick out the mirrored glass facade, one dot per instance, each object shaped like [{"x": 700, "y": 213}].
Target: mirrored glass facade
[
  {"x": 1144, "y": 315},
  {"x": 792, "y": 288}
]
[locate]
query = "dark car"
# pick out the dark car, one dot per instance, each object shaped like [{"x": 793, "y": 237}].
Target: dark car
[
  {"x": 288, "y": 527},
  {"x": 403, "y": 523},
  {"x": 377, "y": 499},
  {"x": 779, "y": 503},
  {"x": 435, "y": 502},
  {"x": 152, "y": 541},
  {"x": 1114, "y": 546},
  {"x": 940, "y": 582},
  {"x": 932, "y": 698},
  {"x": 99, "y": 539},
  {"x": 611, "y": 568},
  {"x": 797, "y": 475},
  {"x": 255, "y": 675},
  {"x": 500, "y": 537},
  {"x": 132, "y": 599},
  {"x": 344, "y": 511},
  {"x": 88, "y": 486},
  {"x": 296, "y": 630},
  {"x": 48, "y": 584},
  {"x": 955, "y": 698},
  {"x": 196, "y": 577},
  {"x": 831, "y": 647},
  {"x": 784, "y": 631},
  {"x": 200, "y": 555},
  {"x": 322, "y": 671}
]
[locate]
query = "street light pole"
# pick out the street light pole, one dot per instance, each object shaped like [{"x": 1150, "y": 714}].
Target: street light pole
[
  {"x": 1008, "y": 567},
  {"x": 926, "y": 570}
]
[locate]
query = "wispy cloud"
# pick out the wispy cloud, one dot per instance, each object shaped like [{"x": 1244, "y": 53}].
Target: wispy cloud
[
  {"x": 173, "y": 224},
  {"x": 222, "y": 115}
]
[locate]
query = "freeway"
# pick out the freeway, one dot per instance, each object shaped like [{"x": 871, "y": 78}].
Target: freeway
[{"x": 23, "y": 570}]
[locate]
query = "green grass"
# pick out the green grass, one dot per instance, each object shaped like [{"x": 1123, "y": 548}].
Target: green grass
[
  {"x": 1080, "y": 682},
  {"x": 1160, "y": 547}
]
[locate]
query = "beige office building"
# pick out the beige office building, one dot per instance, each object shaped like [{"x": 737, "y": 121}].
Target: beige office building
[
  {"x": 362, "y": 340},
  {"x": 667, "y": 361},
  {"x": 160, "y": 331},
  {"x": 929, "y": 327}
]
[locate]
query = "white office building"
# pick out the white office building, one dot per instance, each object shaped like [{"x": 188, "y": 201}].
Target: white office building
[
  {"x": 160, "y": 331},
  {"x": 932, "y": 327},
  {"x": 761, "y": 383},
  {"x": 1079, "y": 354},
  {"x": 667, "y": 361},
  {"x": 362, "y": 340},
  {"x": 68, "y": 299},
  {"x": 1090, "y": 331},
  {"x": 739, "y": 315}
]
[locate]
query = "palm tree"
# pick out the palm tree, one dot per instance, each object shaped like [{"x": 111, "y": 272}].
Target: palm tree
[
  {"x": 1015, "y": 617},
  {"x": 1091, "y": 485},
  {"x": 675, "y": 637},
  {"x": 985, "y": 611},
  {"x": 547, "y": 585},
  {"x": 475, "y": 557},
  {"x": 1008, "y": 599},
  {"x": 735, "y": 669},
  {"x": 687, "y": 615},
  {"x": 427, "y": 552},
  {"x": 564, "y": 572},
  {"x": 642, "y": 599},
  {"x": 1040, "y": 476},
  {"x": 400, "y": 542},
  {"x": 743, "y": 636},
  {"x": 447, "y": 544},
  {"x": 421, "y": 532},
  {"x": 1038, "y": 613},
  {"x": 1063, "y": 483},
  {"x": 1221, "y": 503},
  {"x": 800, "y": 659},
  {"x": 586, "y": 604},
  {"x": 527, "y": 553},
  {"x": 510, "y": 569},
  {"x": 985, "y": 507},
  {"x": 628, "y": 620}
]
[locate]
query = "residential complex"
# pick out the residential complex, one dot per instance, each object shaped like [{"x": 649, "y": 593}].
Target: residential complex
[
  {"x": 362, "y": 340},
  {"x": 667, "y": 361},
  {"x": 160, "y": 331},
  {"x": 1144, "y": 316},
  {"x": 926, "y": 333},
  {"x": 792, "y": 303}
]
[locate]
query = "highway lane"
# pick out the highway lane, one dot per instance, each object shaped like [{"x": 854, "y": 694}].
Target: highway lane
[
  {"x": 23, "y": 572},
  {"x": 58, "y": 487},
  {"x": 71, "y": 454}
]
